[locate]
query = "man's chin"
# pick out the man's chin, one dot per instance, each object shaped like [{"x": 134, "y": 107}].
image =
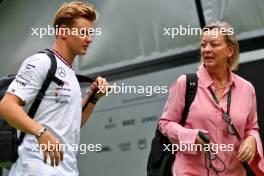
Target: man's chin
[{"x": 83, "y": 52}]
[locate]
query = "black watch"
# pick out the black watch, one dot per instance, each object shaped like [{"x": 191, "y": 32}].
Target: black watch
[{"x": 93, "y": 100}]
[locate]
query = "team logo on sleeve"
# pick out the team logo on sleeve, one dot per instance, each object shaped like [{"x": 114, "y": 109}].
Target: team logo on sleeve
[
  {"x": 61, "y": 72},
  {"x": 29, "y": 66}
]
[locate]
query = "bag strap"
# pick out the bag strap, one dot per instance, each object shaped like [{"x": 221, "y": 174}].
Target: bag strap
[
  {"x": 84, "y": 79},
  {"x": 191, "y": 89},
  {"x": 50, "y": 77}
]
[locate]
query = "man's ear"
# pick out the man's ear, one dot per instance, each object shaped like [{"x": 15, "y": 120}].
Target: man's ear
[{"x": 64, "y": 31}]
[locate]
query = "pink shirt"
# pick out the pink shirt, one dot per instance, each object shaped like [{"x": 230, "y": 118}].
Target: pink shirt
[{"x": 206, "y": 115}]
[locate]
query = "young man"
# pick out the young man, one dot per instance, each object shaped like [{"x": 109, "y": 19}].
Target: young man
[{"x": 59, "y": 117}]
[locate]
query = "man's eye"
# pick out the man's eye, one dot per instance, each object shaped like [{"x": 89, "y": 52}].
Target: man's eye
[
  {"x": 83, "y": 32},
  {"x": 203, "y": 45}
]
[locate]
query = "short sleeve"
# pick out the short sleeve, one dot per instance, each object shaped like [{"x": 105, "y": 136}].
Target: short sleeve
[{"x": 30, "y": 77}]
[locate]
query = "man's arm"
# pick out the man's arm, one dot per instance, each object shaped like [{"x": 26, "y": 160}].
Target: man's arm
[
  {"x": 104, "y": 85},
  {"x": 12, "y": 111},
  {"x": 88, "y": 110}
]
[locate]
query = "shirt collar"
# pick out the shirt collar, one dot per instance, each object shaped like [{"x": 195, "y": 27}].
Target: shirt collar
[
  {"x": 208, "y": 81},
  {"x": 61, "y": 58}
]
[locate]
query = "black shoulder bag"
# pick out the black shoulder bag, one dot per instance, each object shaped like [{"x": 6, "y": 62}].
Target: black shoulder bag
[{"x": 159, "y": 161}]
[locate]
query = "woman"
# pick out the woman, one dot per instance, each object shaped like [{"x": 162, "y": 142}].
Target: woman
[{"x": 224, "y": 109}]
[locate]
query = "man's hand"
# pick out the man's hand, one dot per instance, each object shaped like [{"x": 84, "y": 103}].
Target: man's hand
[
  {"x": 247, "y": 150},
  {"x": 49, "y": 145},
  {"x": 101, "y": 86}
]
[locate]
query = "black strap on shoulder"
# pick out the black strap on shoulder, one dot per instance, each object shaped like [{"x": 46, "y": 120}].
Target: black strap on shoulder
[
  {"x": 84, "y": 79},
  {"x": 191, "y": 88},
  {"x": 50, "y": 77},
  {"x": 53, "y": 68}
]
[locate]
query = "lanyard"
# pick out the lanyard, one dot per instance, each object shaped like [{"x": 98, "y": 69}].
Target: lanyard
[
  {"x": 228, "y": 99},
  {"x": 228, "y": 109},
  {"x": 245, "y": 164}
]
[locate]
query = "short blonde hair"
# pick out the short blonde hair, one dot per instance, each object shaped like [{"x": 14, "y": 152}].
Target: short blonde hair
[
  {"x": 230, "y": 39},
  {"x": 69, "y": 11}
]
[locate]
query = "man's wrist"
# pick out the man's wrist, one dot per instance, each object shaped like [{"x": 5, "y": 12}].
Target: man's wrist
[
  {"x": 40, "y": 132},
  {"x": 94, "y": 98}
]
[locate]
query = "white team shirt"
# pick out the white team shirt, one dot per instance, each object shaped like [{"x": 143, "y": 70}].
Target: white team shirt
[{"x": 60, "y": 112}]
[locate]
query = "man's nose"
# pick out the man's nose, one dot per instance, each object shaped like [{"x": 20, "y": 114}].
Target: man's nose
[{"x": 89, "y": 39}]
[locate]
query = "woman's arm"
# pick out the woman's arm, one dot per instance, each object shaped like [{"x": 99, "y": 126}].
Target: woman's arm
[
  {"x": 251, "y": 149},
  {"x": 172, "y": 114}
]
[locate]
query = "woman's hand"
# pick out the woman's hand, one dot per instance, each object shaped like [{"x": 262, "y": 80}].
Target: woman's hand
[
  {"x": 198, "y": 140},
  {"x": 49, "y": 145},
  {"x": 247, "y": 150}
]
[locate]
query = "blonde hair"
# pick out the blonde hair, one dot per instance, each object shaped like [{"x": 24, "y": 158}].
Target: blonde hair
[
  {"x": 230, "y": 39},
  {"x": 69, "y": 11}
]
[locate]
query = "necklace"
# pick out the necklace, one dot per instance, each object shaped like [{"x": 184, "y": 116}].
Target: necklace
[{"x": 221, "y": 87}]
